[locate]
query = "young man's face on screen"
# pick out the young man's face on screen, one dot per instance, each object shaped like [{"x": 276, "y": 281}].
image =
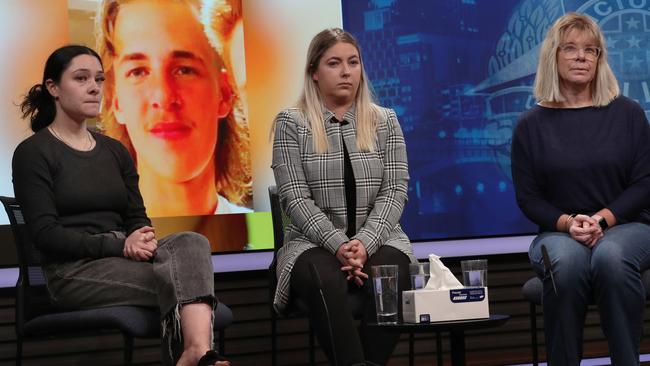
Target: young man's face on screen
[{"x": 167, "y": 88}]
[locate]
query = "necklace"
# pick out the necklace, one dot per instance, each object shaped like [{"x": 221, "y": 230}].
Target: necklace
[{"x": 88, "y": 145}]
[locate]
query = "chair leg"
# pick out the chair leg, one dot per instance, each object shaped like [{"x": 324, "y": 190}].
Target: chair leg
[
  {"x": 274, "y": 342},
  {"x": 312, "y": 346},
  {"x": 411, "y": 350},
  {"x": 533, "y": 333},
  {"x": 439, "y": 359},
  {"x": 128, "y": 350},
  {"x": 222, "y": 342},
  {"x": 19, "y": 350}
]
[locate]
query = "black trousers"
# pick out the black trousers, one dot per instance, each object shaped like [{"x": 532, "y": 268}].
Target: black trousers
[{"x": 352, "y": 345}]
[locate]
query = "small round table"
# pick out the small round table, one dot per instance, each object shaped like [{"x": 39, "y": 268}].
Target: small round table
[{"x": 455, "y": 328}]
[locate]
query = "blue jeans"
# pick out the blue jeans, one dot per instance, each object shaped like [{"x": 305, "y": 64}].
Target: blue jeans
[{"x": 610, "y": 275}]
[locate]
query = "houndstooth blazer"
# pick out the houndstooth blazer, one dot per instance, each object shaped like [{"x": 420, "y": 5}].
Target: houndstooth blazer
[{"x": 312, "y": 189}]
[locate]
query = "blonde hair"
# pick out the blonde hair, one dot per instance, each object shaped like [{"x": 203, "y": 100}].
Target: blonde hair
[
  {"x": 604, "y": 87},
  {"x": 232, "y": 153},
  {"x": 311, "y": 100}
]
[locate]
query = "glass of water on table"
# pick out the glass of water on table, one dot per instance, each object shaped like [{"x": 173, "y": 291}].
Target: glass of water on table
[
  {"x": 384, "y": 280},
  {"x": 474, "y": 272}
]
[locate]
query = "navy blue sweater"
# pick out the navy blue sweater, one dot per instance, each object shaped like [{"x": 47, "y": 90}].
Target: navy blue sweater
[
  {"x": 69, "y": 195},
  {"x": 581, "y": 160}
]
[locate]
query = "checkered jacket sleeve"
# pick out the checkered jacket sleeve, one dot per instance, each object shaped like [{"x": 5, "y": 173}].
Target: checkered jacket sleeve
[{"x": 393, "y": 193}]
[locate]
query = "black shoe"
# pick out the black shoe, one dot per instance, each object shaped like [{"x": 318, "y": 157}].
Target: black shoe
[{"x": 210, "y": 358}]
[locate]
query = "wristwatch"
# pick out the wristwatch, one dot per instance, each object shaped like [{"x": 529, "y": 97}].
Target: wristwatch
[{"x": 603, "y": 224}]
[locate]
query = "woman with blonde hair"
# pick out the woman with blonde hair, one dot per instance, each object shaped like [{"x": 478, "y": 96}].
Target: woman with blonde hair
[
  {"x": 581, "y": 171},
  {"x": 170, "y": 100},
  {"x": 340, "y": 166}
]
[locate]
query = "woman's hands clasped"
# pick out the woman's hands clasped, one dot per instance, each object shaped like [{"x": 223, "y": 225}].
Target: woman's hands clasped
[
  {"x": 353, "y": 256},
  {"x": 586, "y": 229},
  {"x": 141, "y": 244}
]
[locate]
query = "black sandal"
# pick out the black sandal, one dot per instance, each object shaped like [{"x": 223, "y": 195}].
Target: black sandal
[{"x": 210, "y": 358}]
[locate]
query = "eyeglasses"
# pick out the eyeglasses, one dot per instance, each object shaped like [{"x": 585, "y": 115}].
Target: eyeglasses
[{"x": 571, "y": 51}]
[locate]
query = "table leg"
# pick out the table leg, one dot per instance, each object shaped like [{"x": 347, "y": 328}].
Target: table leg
[
  {"x": 439, "y": 349},
  {"x": 411, "y": 350},
  {"x": 457, "y": 341}
]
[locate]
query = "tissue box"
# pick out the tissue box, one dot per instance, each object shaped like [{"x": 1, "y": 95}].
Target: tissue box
[{"x": 427, "y": 306}]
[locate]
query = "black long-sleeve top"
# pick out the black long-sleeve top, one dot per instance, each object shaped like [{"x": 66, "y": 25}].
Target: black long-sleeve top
[
  {"x": 350, "y": 187},
  {"x": 581, "y": 160},
  {"x": 68, "y": 195}
]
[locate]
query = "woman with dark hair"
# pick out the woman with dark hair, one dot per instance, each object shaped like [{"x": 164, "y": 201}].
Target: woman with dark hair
[
  {"x": 82, "y": 205},
  {"x": 340, "y": 164},
  {"x": 581, "y": 171}
]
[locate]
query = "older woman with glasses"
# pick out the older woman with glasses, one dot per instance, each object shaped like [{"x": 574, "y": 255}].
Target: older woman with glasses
[{"x": 581, "y": 170}]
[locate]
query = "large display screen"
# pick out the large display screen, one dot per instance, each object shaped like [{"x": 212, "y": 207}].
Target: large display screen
[
  {"x": 459, "y": 74},
  {"x": 192, "y": 88}
]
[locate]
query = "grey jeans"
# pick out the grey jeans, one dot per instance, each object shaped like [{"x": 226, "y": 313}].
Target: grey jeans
[{"x": 180, "y": 273}]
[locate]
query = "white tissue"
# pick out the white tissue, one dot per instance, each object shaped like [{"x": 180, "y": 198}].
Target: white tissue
[{"x": 441, "y": 277}]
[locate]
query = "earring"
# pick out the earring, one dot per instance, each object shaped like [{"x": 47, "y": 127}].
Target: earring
[{"x": 225, "y": 85}]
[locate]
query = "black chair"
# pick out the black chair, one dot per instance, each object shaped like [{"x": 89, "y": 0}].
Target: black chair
[
  {"x": 297, "y": 307},
  {"x": 532, "y": 292},
  {"x": 36, "y": 317}
]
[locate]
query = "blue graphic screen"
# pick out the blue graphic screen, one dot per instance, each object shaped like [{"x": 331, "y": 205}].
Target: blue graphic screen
[{"x": 458, "y": 73}]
